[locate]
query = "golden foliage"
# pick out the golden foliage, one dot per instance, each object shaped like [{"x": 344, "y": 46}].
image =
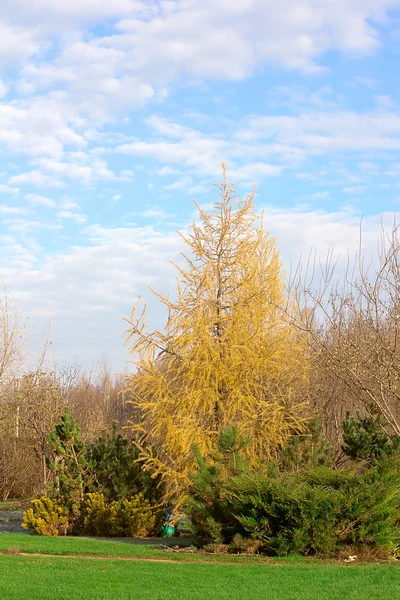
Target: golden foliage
[
  {"x": 46, "y": 518},
  {"x": 227, "y": 355},
  {"x": 133, "y": 517}
]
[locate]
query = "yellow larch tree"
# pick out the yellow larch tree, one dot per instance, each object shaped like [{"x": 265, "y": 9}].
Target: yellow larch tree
[{"x": 227, "y": 356}]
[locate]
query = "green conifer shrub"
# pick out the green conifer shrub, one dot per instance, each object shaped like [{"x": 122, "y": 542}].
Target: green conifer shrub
[
  {"x": 315, "y": 511},
  {"x": 125, "y": 499},
  {"x": 116, "y": 473},
  {"x": 320, "y": 511},
  {"x": 69, "y": 468},
  {"x": 364, "y": 438},
  {"x": 306, "y": 450},
  {"x": 208, "y": 504}
]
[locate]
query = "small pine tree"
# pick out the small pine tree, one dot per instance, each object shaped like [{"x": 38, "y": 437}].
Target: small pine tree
[
  {"x": 364, "y": 438},
  {"x": 68, "y": 465},
  {"x": 117, "y": 474},
  {"x": 307, "y": 450},
  {"x": 207, "y": 505}
]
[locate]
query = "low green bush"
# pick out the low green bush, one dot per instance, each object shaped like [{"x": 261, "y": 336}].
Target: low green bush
[
  {"x": 132, "y": 517},
  {"x": 46, "y": 518},
  {"x": 320, "y": 511},
  {"x": 310, "y": 512}
]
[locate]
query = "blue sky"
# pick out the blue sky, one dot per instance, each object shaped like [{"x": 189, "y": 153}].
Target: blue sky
[{"x": 115, "y": 116}]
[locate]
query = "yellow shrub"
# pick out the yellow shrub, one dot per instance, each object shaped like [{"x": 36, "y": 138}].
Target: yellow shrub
[
  {"x": 130, "y": 518},
  {"x": 46, "y": 518},
  {"x": 136, "y": 516}
]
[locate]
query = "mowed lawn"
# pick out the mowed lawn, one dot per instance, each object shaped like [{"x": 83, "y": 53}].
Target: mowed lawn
[{"x": 84, "y": 578}]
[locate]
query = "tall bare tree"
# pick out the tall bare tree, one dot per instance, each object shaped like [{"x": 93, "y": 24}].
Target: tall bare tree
[
  {"x": 353, "y": 328},
  {"x": 12, "y": 339}
]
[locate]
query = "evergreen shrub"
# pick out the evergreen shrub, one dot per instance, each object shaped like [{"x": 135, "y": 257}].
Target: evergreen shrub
[
  {"x": 365, "y": 438},
  {"x": 69, "y": 469},
  {"x": 306, "y": 450},
  {"x": 316, "y": 511},
  {"x": 117, "y": 474}
]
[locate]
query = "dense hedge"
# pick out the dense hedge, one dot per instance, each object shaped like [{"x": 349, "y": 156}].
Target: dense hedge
[{"x": 311, "y": 512}]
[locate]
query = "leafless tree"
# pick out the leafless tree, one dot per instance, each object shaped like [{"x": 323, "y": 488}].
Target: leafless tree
[
  {"x": 12, "y": 339},
  {"x": 353, "y": 328}
]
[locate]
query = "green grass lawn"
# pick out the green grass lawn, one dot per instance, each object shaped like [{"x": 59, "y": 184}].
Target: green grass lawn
[
  {"x": 33, "y": 544},
  {"x": 36, "y": 578},
  {"x": 14, "y": 504},
  {"x": 83, "y": 578}
]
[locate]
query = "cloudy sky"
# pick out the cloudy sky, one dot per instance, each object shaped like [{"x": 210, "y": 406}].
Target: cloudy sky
[{"x": 114, "y": 116}]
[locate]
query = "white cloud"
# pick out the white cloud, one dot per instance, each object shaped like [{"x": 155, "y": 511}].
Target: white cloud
[
  {"x": 296, "y": 97},
  {"x": 103, "y": 278},
  {"x": 36, "y": 178},
  {"x": 369, "y": 82},
  {"x": 128, "y": 173},
  {"x": 91, "y": 82},
  {"x": 319, "y": 195},
  {"x": 368, "y": 166},
  {"x": 68, "y": 204},
  {"x": 305, "y": 200},
  {"x": 202, "y": 154},
  {"x": 216, "y": 38},
  {"x": 78, "y": 218},
  {"x": 354, "y": 189},
  {"x": 385, "y": 101},
  {"x": 3, "y": 88},
  {"x": 64, "y": 15},
  {"x": 300, "y": 231},
  {"x": 256, "y": 171},
  {"x": 37, "y": 200},
  {"x": 262, "y": 146},
  {"x": 6, "y": 189},
  {"x": 12, "y": 210},
  {"x": 167, "y": 170},
  {"x": 154, "y": 213},
  {"x": 77, "y": 166},
  {"x": 87, "y": 81},
  {"x": 24, "y": 226},
  {"x": 179, "y": 184},
  {"x": 105, "y": 275},
  {"x": 327, "y": 132},
  {"x": 206, "y": 38},
  {"x": 151, "y": 45},
  {"x": 39, "y": 126},
  {"x": 16, "y": 44}
]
